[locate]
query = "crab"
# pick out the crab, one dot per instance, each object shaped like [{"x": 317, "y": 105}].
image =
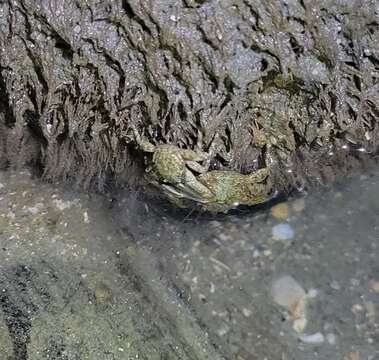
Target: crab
[
  {"x": 172, "y": 169},
  {"x": 229, "y": 189},
  {"x": 179, "y": 174}
]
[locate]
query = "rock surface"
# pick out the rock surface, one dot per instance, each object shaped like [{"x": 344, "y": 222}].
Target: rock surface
[{"x": 290, "y": 84}]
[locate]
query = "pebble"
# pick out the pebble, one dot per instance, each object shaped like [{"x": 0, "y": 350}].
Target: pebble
[
  {"x": 316, "y": 338},
  {"x": 103, "y": 294},
  {"x": 246, "y": 312},
  {"x": 62, "y": 205},
  {"x": 32, "y": 210},
  {"x": 223, "y": 330},
  {"x": 86, "y": 218},
  {"x": 300, "y": 324},
  {"x": 352, "y": 356},
  {"x": 375, "y": 286},
  {"x": 280, "y": 211},
  {"x": 312, "y": 293},
  {"x": 287, "y": 292},
  {"x": 282, "y": 231},
  {"x": 331, "y": 338},
  {"x": 335, "y": 285},
  {"x": 298, "y": 205},
  {"x": 356, "y": 308},
  {"x": 371, "y": 312}
]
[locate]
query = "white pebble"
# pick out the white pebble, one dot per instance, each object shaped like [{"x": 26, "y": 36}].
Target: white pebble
[
  {"x": 62, "y": 205},
  {"x": 316, "y": 338},
  {"x": 331, "y": 338},
  {"x": 335, "y": 285},
  {"x": 223, "y": 330},
  {"x": 282, "y": 231},
  {"x": 287, "y": 292},
  {"x": 300, "y": 324},
  {"x": 33, "y": 210},
  {"x": 246, "y": 312},
  {"x": 1, "y": 185},
  {"x": 312, "y": 293}
]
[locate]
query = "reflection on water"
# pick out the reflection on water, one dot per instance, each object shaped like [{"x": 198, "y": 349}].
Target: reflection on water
[{"x": 114, "y": 277}]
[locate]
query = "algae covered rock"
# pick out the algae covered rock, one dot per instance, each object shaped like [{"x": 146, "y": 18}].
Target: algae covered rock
[{"x": 216, "y": 76}]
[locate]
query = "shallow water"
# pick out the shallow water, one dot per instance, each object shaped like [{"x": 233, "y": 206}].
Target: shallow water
[{"x": 114, "y": 277}]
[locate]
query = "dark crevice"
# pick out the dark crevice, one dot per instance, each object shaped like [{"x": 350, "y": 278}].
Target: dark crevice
[
  {"x": 205, "y": 38},
  {"x": 31, "y": 119},
  {"x": 299, "y": 139},
  {"x": 132, "y": 15},
  {"x": 296, "y": 48},
  {"x": 65, "y": 48},
  {"x": 229, "y": 85},
  {"x": 4, "y": 102}
]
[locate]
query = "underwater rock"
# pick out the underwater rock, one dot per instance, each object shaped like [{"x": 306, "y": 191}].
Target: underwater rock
[
  {"x": 280, "y": 211},
  {"x": 292, "y": 86},
  {"x": 282, "y": 231}
]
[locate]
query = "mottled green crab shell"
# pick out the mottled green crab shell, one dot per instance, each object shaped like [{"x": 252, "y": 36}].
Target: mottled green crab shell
[
  {"x": 169, "y": 165},
  {"x": 232, "y": 188}
]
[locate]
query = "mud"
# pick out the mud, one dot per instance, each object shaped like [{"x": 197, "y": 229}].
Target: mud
[{"x": 75, "y": 75}]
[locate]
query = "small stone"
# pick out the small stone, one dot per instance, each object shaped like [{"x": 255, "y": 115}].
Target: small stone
[
  {"x": 103, "y": 294},
  {"x": 352, "y": 356},
  {"x": 338, "y": 195},
  {"x": 32, "y": 210},
  {"x": 86, "y": 218},
  {"x": 375, "y": 286},
  {"x": 300, "y": 324},
  {"x": 61, "y": 205},
  {"x": 371, "y": 312},
  {"x": 282, "y": 231},
  {"x": 246, "y": 312},
  {"x": 331, "y": 338},
  {"x": 335, "y": 285},
  {"x": 312, "y": 293},
  {"x": 316, "y": 338},
  {"x": 223, "y": 330},
  {"x": 280, "y": 211},
  {"x": 298, "y": 205},
  {"x": 357, "y": 308},
  {"x": 287, "y": 292}
]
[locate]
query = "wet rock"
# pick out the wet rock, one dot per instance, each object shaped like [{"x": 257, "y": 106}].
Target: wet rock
[
  {"x": 352, "y": 356},
  {"x": 375, "y": 286},
  {"x": 103, "y": 294},
  {"x": 61, "y": 204},
  {"x": 300, "y": 324},
  {"x": 282, "y": 231},
  {"x": 287, "y": 292},
  {"x": 280, "y": 211},
  {"x": 298, "y": 205},
  {"x": 316, "y": 338},
  {"x": 331, "y": 338},
  {"x": 86, "y": 217}
]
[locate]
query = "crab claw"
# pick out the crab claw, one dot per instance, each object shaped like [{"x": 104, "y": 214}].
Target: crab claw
[{"x": 190, "y": 189}]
